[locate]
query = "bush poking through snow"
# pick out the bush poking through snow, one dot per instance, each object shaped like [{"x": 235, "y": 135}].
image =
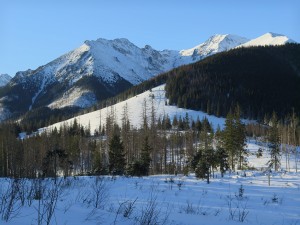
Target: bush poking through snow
[
  {"x": 237, "y": 208},
  {"x": 9, "y": 200},
  {"x": 151, "y": 213}
]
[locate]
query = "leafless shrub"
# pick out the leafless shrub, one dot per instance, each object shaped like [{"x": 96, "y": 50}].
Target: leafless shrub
[
  {"x": 97, "y": 195},
  {"x": 10, "y": 203},
  {"x": 47, "y": 193},
  {"x": 237, "y": 209},
  {"x": 126, "y": 209},
  {"x": 197, "y": 209},
  {"x": 151, "y": 213},
  {"x": 35, "y": 190},
  {"x": 180, "y": 184}
]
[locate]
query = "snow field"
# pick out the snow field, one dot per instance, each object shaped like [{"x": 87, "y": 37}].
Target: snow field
[{"x": 179, "y": 200}]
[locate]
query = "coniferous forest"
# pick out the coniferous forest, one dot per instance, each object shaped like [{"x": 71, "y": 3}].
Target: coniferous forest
[
  {"x": 260, "y": 79},
  {"x": 160, "y": 146}
]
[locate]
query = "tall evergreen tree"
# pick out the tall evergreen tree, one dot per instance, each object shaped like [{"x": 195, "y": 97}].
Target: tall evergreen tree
[
  {"x": 229, "y": 139},
  {"x": 234, "y": 137},
  {"x": 274, "y": 143},
  {"x": 116, "y": 156},
  {"x": 205, "y": 155},
  {"x": 145, "y": 157},
  {"x": 221, "y": 156},
  {"x": 240, "y": 137}
]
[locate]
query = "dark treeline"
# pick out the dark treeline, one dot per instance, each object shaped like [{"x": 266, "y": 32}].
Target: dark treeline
[{"x": 260, "y": 79}]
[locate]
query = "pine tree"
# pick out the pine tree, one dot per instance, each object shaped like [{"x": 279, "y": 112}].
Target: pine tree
[
  {"x": 186, "y": 122},
  {"x": 274, "y": 143},
  {"x": 175, "y": 121},
  {"x": 116, "y": 156},
  {"x": 233, "y": 139},
  {"x": 167, "y": 122},
  {"x": 221, "y": 155},
  {"x": 240, "y": 137},
  {"x": 205, "y": 155},
  {"x": 229, "y": 140},
  {"x": 198, "y": 124},
  {"x": 222, "y": 160},
  {"x": 145, "y": 157},
  {"x": 202, "y": 168}
]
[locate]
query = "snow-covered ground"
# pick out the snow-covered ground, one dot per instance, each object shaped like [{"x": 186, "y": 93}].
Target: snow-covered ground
[{"x": 240, "y": 197}]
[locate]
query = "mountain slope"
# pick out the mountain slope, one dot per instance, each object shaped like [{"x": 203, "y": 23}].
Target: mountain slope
[
  {"x": 134, "y": 107},
  {"x": 4, "y": 79},
  {"x": 260, "y": 79}
]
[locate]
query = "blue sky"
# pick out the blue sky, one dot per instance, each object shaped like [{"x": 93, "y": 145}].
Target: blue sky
[{"x": 34, "y": 32}]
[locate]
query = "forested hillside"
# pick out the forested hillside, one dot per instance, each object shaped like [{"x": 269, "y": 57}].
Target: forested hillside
[{"x": 260, "y": 79}]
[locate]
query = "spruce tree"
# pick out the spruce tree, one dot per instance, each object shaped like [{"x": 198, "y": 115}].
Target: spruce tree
[
  {"x": 221, "y": 155},
  {"x": 229, "y": 140},
  {"x": 240, "y": 137},
  {"x": 233, "y": 139},
  {"x": 274, "y": 143},
  {"x": 221, "y": 158},
  {"x": 145, "y": 157},
  {"x": 205, "y": 157},
  {"x": 116, "y": 156}
]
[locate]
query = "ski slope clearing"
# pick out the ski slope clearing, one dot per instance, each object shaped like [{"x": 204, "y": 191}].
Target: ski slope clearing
[{"x": 154, "y": 98}]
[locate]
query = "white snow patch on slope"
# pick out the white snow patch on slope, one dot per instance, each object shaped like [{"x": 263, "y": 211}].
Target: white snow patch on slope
[
  {"x": 135, "y": 111},
  {"x": 268, "y": 39},
  {"x": 75, "y": 97},
  {"x": 37, "y": 93}
]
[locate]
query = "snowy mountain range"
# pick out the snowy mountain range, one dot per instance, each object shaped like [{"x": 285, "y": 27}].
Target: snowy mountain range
[
  {"x": 4, "y": 79},
  {"x": 103, "y": 68}
]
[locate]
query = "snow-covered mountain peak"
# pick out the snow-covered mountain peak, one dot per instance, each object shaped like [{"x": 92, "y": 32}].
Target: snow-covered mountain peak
[
  {"x": 4, "y": 79},
  {"x": 216, "y": 43},
  {"x": 118, "y": 43},
  {"x": 272, "y": 34},
  {"x": 268, "y": 39}
]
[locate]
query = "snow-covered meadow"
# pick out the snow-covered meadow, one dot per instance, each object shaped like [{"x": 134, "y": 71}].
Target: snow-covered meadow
[{"x": 240, "y": 197}]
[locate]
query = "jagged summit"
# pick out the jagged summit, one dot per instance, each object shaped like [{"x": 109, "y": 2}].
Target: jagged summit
[{"x": 216, "y": 43}]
